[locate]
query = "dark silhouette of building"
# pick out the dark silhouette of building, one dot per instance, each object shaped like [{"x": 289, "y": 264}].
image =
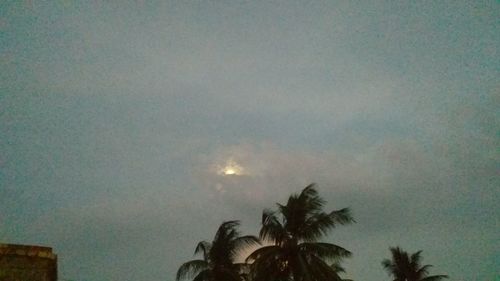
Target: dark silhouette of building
[{"x": 27, "y": 263}]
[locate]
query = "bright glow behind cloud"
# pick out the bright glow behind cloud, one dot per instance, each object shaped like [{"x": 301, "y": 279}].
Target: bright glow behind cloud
[{"x": 231, "y": 168}]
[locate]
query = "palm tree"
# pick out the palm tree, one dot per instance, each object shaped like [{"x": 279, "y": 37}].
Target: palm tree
[
  {"x": 408, "y": 268},
  {"x": 338, "y": 268},
  {"x": 217, "y": 263},
  {"x": 293, "y": 232}
]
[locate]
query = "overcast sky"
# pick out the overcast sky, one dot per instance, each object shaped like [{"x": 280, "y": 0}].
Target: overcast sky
[{"x": 117, "y": 116}]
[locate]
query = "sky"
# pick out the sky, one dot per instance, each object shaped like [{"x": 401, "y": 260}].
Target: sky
[{"x": 117, "y": 119}]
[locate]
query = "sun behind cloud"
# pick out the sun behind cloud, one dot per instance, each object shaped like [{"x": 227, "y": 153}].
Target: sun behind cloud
[{"x": 231, "y": 168}]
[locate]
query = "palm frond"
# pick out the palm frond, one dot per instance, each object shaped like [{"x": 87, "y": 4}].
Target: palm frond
[
  {"x": 292, "y": 230},
  {"x": 308, "y": 192},
  {"x": 403, "y": 266},
  {"x": 389, "y": 266},
  {"x": 337, "y": 267},
  {"x": 272, "y": 230},
  {"x": 423, "y": 271},
  {"x": 227, "y": 229},
  {"x": 342, "y": 216},
  {"x": 190, "y": 269},
  {"x": 324, "y": 250},
  {"x": 435, "y": 278},
  {"x": 246, "y": 241},
  {"x": 268, "y": 264},
  {"x": 222, "y": 251},
  {"x": 301, "y": 269},
  {"x": 321, "y": 270},
  {"x": 299, "y": 210},
  {"x": 225, "y": 274},
  {"x": 315, "y": 227},
  {"x": 204, "y": 248},
  {"x": 219, "y": 256},
  {"x": 320, "y": 223},
  {"x": 242, "y": 266},
  {"x": 416, "y": 258},
  {"x": 263, "y": 251},
  {"x": 311, "y": 199},
  {"x": 205, "y": 275},
  {"x": 241, "y": 243}
]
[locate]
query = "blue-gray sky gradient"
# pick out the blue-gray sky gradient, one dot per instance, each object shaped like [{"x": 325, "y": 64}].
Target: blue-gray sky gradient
[{"x": 113, "y": 117}]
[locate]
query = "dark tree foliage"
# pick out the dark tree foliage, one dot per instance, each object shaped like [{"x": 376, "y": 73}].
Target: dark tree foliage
[
  {"x": 293, "y": 232},
  {"x": 405, "y": 267},
  {"x": 217, "y": 262}
]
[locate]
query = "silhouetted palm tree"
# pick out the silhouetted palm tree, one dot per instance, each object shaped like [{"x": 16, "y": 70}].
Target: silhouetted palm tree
[
  {"x": 337, "y": 268},
  {"x": 219, "y": 256},
  {"x": 293, "y": 232},
  {"x": 408, "y": 268}
]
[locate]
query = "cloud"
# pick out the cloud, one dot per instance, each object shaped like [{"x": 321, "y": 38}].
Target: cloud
[{"x": 115, "y": 119}]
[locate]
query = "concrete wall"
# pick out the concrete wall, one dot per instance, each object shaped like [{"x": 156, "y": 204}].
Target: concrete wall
[{"x": 27, "y": 263}]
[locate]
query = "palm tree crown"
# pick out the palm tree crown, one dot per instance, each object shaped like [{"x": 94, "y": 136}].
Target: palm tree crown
[
  {"x": 404, "y": 267},
  {"x": 293, "y": 232},
  {"x": 218, "y": 259}
]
